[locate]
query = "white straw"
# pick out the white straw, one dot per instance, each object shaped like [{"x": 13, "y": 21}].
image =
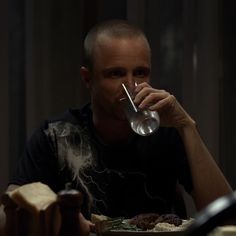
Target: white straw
[{"x": 130, "y": 99}]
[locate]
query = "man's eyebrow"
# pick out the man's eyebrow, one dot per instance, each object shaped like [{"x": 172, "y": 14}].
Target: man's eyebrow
[
  {"x": 143, "y": 68},
  {"x": 112, "y": 69}
]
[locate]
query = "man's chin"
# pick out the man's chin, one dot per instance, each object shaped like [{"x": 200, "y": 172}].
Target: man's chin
[{"x": 122, "y": 117}]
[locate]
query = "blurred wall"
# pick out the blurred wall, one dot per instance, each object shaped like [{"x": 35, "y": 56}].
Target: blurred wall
[
  {"x": 193, "y": 45},
  {"x": 4, "y": 124},
  {"x": 227, "y": 92}
]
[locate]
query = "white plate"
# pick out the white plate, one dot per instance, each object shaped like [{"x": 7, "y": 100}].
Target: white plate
[{"x": 141, "y": 233}]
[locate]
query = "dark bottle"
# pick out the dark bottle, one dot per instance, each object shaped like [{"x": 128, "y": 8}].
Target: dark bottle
[{"x": 70, "y": 201}]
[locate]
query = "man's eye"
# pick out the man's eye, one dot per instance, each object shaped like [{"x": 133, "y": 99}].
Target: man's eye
[
  {"x": 114, "y": 73},
  {"x": 142, "y": 72}
]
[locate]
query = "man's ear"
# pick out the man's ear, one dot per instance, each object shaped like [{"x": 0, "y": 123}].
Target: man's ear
[{"x": 86, "y": 76}]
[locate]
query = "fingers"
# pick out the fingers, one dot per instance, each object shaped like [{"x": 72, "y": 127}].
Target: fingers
[
  {"x": 148, "y": 97},
  {"x": 140, "y": 86},
  {"x": 171, "y": 113},
  {"x": 86, "y": 226},
  {"x": 169, "y": 101},
  {"x": 92, "y": 227}
]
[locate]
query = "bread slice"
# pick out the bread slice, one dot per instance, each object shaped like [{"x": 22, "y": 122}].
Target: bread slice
[
  {"x": 98, "y": 218},
  {"x": 34, "y": 197}
]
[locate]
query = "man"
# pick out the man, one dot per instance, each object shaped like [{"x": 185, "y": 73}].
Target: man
[{"x": 119, "y": 172}]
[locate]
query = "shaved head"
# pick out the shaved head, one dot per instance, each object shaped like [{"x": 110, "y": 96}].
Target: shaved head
[{"x": 119, "y": 29}]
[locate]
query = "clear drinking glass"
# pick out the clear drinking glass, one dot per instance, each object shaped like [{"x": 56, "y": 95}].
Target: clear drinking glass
[{"x": 143, "y": 122}]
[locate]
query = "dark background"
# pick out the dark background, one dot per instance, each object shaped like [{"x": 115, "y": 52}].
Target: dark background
[{"x": 194, "y": 48}]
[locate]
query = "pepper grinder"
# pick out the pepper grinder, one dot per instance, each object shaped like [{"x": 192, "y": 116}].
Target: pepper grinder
[{"x": 69, "y": 201}]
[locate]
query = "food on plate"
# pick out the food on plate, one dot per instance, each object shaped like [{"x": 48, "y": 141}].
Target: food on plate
[
  {"x": 143, "y": 222},
  {"x": 164, "y": 226},
  {"x": 149, "y": 220},
  {"x": 98, "y": 218},
  {"x": 169, "y": 218}
]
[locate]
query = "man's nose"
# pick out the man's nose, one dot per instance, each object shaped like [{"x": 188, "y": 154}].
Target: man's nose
[{"x": 130, "y": 82}]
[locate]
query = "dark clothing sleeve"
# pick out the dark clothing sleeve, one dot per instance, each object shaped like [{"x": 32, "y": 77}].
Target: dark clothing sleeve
[
  {"x": 38, "y": 162},
  {"x": 183, "y": 169}
]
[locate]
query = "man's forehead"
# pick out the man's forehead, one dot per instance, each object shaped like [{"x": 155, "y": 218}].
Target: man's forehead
[{"x": 104, "y": 40}]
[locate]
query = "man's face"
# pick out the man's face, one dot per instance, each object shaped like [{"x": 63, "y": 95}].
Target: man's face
[{"x": 117, "y": 61}]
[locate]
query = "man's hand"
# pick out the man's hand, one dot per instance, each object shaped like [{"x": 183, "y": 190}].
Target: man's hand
[
  {"x": 170, "y": 111},
  {"x": 86, "y": 226}
]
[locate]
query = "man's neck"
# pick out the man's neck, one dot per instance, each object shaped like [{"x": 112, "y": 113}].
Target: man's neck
[{"x": 112, "y": 131}]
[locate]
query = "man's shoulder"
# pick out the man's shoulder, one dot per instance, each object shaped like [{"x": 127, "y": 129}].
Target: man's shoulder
[
  {"x": 73, "y": 115},
  {"x": 68, "y": 121}
]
